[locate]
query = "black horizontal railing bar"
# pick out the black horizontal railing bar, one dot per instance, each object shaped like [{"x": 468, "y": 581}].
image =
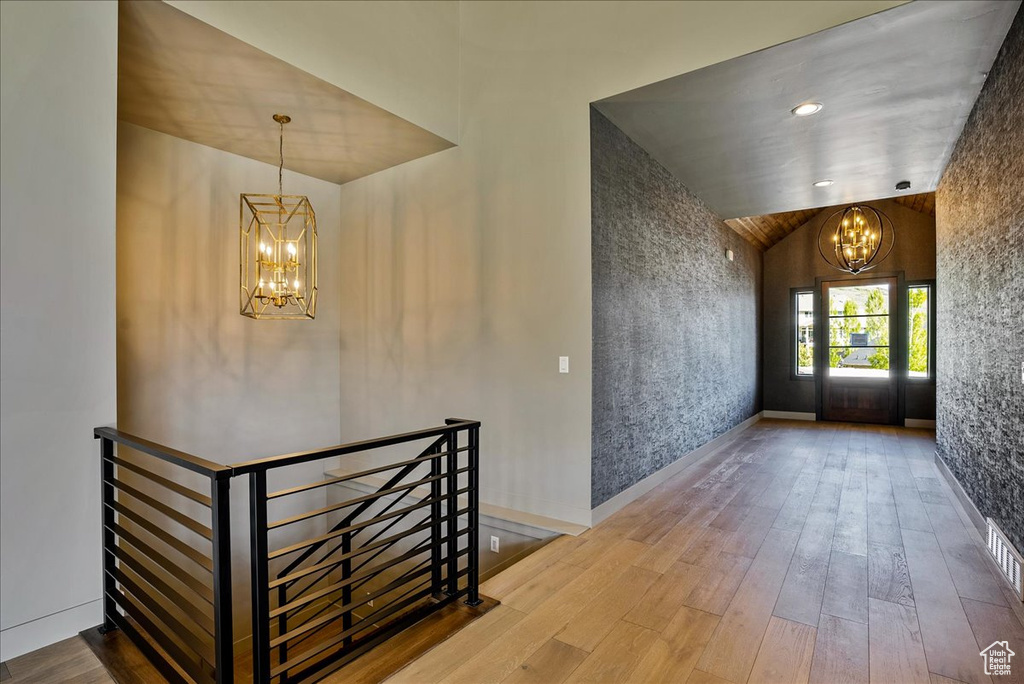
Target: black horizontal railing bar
[
  {"x": 358, "y": 567},
  {"x": 147, "y": 550},
  {"x": 155, "y": 656},
  {"x": 307, "y": 588},
  {"x": 304, "y": 599},
  {"x": 351, "y": 502},
  {"x": 425, "y": 458},
  {"x": 385, "y": 529},
  {"x": 429, "y": 544},
  {"x": 392, "y": 481},
  {"x": 361, "y": 550},
  {"x": 190, "y": 663},
  {"x": 188, "y": 461},
  {"x": 441, "y": 543},
  {"x": 341, "y": 609},
  {"x": 351, "y": 554},
  {"x": 178, "y": 545},
  {"x": 202, "y": 591},
  {"x": 377, "y": 617},
  {"x": 178, "y": 517},
  {"x": 381, "y": 613},
  {"x": 297, "y": 638},
  {"x": 394, "y": 502},
  {"x": 336, "y": 532},
  {"x": 384, "y": 613},
  {"x": 201, "y": 618},
  {"x": 183, "y": 627},
  {"x": 385, "y": 566},
  {"x": 187, "y": 492},
  {"x": 196, "y": 610},
  {"x": 343, "y": 449},
  {"x": 361, "y": 646}
]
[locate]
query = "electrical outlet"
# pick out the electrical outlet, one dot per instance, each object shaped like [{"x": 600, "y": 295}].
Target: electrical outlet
[{"x": 494, "y": 544}]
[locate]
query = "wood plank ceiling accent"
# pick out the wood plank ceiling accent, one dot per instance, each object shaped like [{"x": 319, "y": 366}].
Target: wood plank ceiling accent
[
  {"x": 765, "y": 231},
  {"x": 923, "y": 202},
  {"x": 180, "y": 76}
]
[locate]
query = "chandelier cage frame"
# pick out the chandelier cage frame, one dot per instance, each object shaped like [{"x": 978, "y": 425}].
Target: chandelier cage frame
[
  {"x": 277, "y": 243},
  {"x": 854, "y": 246}
]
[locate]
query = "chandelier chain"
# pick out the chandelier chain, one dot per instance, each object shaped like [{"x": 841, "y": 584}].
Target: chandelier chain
[{"x": 280, "y": 163}]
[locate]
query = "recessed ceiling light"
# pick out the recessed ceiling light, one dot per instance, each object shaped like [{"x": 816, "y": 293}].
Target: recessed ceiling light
[
  {"x": 807, "y": 108},
  {"x": 823, "y": 183}
]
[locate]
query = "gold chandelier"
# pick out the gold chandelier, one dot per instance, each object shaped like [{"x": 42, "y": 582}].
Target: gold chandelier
[
  {"x": 856, "y": 239},
  {"x": 277, "y": 243}
]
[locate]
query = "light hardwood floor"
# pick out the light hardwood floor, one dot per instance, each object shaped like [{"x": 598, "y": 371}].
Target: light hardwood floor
[{"x": 801, "y": 552}]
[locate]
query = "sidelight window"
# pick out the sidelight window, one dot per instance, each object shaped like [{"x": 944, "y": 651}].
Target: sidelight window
[
  {"x": 804, "y": 322},
  {"x": 919, "y": 300}
]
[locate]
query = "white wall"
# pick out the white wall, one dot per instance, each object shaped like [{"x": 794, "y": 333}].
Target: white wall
[
  {"x": 57, "y": 179},
  {"x": 401, "y": 55}
]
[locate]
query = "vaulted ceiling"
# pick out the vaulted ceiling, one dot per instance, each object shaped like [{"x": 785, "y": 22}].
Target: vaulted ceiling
[
  {"x": 896, "y": 89},
  {"x": 766, "y": 231}
]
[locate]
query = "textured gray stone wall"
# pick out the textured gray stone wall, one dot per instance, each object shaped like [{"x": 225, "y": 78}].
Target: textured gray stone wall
[
  {"x": 676, "y": 357},
  {"x": 980, "y": 261}
]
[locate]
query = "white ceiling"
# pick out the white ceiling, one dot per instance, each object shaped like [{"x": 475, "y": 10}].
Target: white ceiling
[{"x": 897, "y": 88}]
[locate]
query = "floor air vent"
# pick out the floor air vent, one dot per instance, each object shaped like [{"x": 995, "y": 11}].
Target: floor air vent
[{"x": 1006, "y": 556}]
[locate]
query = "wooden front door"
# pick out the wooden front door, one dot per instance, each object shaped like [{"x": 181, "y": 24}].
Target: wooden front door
[{"x": 857, "y": 364}]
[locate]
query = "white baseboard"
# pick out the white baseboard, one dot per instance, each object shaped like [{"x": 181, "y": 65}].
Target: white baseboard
[
  {"x": 34, "y": 634},
  {"x": 645, "y": 485},
  {"x": 789, "y": 415},
  {"x": 919, "y": 423}
]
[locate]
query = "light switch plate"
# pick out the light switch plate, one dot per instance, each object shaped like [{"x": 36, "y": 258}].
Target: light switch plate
[{"x": 563, "y": 364}]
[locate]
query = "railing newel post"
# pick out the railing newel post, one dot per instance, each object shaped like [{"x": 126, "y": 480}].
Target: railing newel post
[
  {"x": 220, "y": 496},
  {"x": 435, "y": 529},
  {"x": 473, "y": 579},
  {"x": 260, "y": 576},
  {"x": 109, "y": 541},
  {"x": 451, "y": 511}
]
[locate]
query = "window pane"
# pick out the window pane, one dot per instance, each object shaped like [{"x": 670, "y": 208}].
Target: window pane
[
  {"x": 918, "y": 337},
  {"x": 863, "y": 362},
  {"x": 861, "y": 331},
  {"x": 856, "y": 300},
  {"x": 805, "y": 333}
]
